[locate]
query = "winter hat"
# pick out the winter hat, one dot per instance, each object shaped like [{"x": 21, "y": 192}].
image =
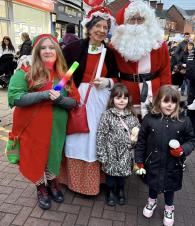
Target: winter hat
[
  {"x": 98, "y": 11},
  {"x": 133, "y": 7},
  {"x": 37, "y": 38},
  {"x": 120, "y": 14}
]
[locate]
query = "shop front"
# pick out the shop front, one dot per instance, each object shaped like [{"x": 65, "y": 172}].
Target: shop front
[
  {"x": 32, "y": 17},
  {"x": 68, "y": 13},
  {"x": 4, "y": 19}
]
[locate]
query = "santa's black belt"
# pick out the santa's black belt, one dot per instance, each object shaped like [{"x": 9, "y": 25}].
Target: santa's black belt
[{"x": 139, "y": 77}]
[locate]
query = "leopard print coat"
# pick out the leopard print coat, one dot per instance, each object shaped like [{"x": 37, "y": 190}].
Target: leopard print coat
[{"x": 114, "y": 147}]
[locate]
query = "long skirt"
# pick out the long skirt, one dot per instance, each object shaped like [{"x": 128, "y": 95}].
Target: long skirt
[{"x": 80, "y": 176}]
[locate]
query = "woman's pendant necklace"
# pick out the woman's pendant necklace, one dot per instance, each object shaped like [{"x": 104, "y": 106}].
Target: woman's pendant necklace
[{"x": 94, "y": 47}]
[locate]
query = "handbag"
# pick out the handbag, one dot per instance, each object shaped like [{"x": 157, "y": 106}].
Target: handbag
[
  {"x": 12, "y": 148},
  {"x": 77, "y": 117}
]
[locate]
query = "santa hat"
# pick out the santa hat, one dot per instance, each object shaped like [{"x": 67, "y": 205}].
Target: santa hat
[
  {"x": 40, "y": 37},
  {"x": 131, "y": 8},
  {"x": 100, "y": 11},
  {"x": 120, "y": 14}
]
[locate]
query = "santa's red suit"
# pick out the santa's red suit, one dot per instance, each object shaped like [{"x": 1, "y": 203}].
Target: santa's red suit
[
  {"x": 141, "y": 54},
  {"x": 159, "y": 63}
]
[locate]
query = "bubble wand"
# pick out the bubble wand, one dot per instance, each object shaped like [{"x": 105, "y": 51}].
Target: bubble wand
[{"x": 66, "y": 77}]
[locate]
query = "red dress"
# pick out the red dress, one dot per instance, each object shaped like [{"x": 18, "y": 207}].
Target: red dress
[{"x": 79, "y": 175}]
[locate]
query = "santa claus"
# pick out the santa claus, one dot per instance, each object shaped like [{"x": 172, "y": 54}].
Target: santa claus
[{"x": 142, "y": 55}]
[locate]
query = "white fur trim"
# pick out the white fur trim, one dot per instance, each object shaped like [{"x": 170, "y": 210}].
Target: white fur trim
[
  {"x": 139, "y": 7},
  {"x": 105, "y": 16},
  {"x": 144, "y": 66}
]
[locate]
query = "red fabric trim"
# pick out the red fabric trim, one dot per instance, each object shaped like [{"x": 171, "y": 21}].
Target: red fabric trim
[
  {"x": 140, "y": 165},
  {"x": 89, "y": 69}
]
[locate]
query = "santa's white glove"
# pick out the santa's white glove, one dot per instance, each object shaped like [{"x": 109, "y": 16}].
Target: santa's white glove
[
  {"x": 25, "y": 60},
  {"x": 140, "y": 171},
  {"x": 102, "y": 83}
]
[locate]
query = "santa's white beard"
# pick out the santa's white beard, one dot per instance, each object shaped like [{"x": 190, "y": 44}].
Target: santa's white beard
[{"x": 134, "y": 41}]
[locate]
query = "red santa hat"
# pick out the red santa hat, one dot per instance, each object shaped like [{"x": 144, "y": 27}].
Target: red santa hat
[
  {"x": 100, "y": 11},
  {"x": 120, "y": 14}
]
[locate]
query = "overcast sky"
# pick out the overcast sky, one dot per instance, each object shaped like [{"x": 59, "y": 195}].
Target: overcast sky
[{"x": 185, "y": 4}]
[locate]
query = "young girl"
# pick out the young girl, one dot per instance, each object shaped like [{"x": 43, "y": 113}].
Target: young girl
[
  {"x": 165, "y": 138},
  {"x": 114, "y": 144}
]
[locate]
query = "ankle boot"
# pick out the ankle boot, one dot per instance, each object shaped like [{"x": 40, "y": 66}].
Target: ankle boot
[
  {"x": 43, "y": 198},
  {"x": 120, "y": 195},
  {"x": 54, "y": 190},
  {"x": 110, "y": 197}
]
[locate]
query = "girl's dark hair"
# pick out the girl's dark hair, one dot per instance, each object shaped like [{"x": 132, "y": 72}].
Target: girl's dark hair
[
  {"x": 118, "y": 91},
  {"x": 10, "y": 46},
  {"x": 94, "y": 21},
  {"x": 167, "y": 93}
]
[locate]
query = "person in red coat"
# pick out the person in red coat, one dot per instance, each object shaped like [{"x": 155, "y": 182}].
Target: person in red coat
[{"x": 141, "y": 53}]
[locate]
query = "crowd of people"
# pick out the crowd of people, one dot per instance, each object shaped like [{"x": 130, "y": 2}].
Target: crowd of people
[{"x": 131, "y": 102}]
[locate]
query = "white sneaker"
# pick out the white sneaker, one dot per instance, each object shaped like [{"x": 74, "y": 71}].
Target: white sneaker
[
  {"x": 149, "y": 208},
  {"x": 191, "y": 106},
  {"x": 168, "y": 216}
]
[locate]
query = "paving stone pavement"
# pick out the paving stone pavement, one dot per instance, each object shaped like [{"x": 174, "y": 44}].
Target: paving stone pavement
[{"x": 18, "y": 202}]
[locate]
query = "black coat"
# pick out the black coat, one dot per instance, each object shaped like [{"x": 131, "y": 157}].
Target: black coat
[
  {"x": 190, "y": 74},
  {"x": 26, "y": 48},
  {"x": 180, "y": 49},
  {"x": 163, "y": 171},
  {"x": 77, "y": 51}
]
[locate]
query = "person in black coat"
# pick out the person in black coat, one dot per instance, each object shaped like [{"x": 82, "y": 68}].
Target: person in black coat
[
  {"x": 181, "y": 47},
  {"x": 190, "y": 75},
  {"x": 26, "y": 46},
  {"x": 166, "y": 137}
]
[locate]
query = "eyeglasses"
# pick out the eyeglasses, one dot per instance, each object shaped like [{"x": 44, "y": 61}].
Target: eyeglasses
[{"x": 133, "y": 20}]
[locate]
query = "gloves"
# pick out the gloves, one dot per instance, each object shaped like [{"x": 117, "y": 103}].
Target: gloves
[
  {"x": 102, "y": 82},
  {"x": 24, "y": 61},
  {"x": 139, "y": 169},
  {"x": 177, "y": 152}
]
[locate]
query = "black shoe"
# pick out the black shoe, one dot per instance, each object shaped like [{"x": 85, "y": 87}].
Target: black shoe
[
  {"x": 54, "y": 191},
  {"x": 43, "y": 197},
  {"x": 110, "y": 198},
  {"x": 121, "y": 196}
]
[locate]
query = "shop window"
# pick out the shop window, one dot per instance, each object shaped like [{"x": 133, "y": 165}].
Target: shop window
[
  {"x": 3, "y": 12},
  {"x": 3, "y": 29},
  {"x": 70, "y": 11}
]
